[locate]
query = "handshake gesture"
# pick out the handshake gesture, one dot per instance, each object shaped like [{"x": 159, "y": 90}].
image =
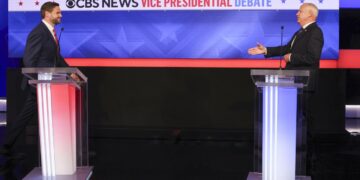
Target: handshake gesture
[{"x": 259, "y": 49}]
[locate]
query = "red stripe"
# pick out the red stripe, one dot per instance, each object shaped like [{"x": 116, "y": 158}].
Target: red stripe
[{"x": 347, "y": 59}]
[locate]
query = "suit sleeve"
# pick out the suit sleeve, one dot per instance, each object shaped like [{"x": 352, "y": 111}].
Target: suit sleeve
[
  {"x": 62, "y": 62},
  {"x": 313, "y": 51},
  {"x": 278, "y": 51},
  {"x": 32, "y": 49}
]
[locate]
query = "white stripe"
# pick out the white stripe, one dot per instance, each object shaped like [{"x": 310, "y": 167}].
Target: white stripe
[
  {"x": 271, "y": 125},
  {"x": 42, "y": 130},
  {"x": 46, "y": 125},
  {"x": 276, "y": 101},
  {"x": 265, "y": 130},
  {"x": 51, "y": 131}
]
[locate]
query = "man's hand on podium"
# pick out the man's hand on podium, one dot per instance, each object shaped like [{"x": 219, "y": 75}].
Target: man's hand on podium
[
  {"x": 74, "y": 77},
  {"x": 287, "y": 57}
]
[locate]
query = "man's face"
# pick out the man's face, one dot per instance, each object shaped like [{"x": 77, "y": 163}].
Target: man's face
[
  {"x": 303, "y": 15},
  {"x": 55, "y": 15}
]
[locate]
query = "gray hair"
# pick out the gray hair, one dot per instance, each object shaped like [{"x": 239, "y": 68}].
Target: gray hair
[{"x": 313, "y": 9}]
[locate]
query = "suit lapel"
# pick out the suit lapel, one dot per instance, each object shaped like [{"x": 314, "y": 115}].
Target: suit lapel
[
  {"x": 48, "y": 33},
  {"x": 295, "y": 38},
  {"x": 301, "y": 35}
]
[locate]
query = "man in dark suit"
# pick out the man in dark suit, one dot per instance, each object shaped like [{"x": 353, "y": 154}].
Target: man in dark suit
[
  {"x": 303, "y": 51},
  {"x": 42, "y": 50}
]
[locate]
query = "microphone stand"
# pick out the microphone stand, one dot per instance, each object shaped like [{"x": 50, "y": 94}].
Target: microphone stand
[
  {"x": 281, "y": 45},
  {"x": 62, "y": 29}
]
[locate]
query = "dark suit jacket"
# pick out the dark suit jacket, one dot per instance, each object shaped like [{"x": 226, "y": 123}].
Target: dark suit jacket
[
  {"x": 41, "y": 50},
  {"x": 305, "y": 52}
]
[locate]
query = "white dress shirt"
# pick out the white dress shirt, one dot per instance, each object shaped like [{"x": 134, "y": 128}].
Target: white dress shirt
[{"x": 51, "y": 28}]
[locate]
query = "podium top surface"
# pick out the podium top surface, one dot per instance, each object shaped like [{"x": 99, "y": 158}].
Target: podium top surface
[
  {"x": 294, "y": 73},
  {"x": 284, "y": 78},
  {"x": 64, "y": 72}
]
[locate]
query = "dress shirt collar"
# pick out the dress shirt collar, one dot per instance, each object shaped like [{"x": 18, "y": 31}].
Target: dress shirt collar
[
  {"x": 308, "y": 24},
  {"x": 49, "y": 26}
]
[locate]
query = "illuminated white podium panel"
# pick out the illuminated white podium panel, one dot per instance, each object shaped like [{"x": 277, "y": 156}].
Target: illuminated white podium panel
[
  {"x": 277, "y": 128},
  {"x": 63, "y": 127}
]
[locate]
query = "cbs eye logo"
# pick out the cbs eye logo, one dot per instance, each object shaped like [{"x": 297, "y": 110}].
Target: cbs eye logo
[{"x": 70, "y": 3}]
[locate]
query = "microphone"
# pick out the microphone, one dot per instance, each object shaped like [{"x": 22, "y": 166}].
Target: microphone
[
  {"x": 281, "y": 44},
  {"x": 61, "y": 30}
]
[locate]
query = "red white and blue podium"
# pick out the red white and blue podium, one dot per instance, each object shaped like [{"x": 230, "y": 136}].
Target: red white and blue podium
[
  {"x": 63, "y": 128},
  {"x": 276, "y": 132}
]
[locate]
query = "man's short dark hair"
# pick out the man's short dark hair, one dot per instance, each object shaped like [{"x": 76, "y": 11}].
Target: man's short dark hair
[{"x": 48, "y": 6}]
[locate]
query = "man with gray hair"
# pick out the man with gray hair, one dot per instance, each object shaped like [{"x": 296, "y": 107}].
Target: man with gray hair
[{"x": 303, "y": 51}]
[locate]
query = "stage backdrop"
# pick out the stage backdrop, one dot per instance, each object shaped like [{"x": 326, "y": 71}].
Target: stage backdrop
[
  {"x": 211, "y": 29},
  {"x": 350, "y": 4}
]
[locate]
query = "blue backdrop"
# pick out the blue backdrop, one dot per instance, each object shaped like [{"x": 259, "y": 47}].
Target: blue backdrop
[
  {"x": 3, "y": 46},
  {"x": 349, "y": 4},
  {"x": 170, "y": 34}
]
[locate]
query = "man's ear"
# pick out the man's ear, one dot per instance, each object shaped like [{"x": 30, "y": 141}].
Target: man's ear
[{"x": 47, "y": 14}]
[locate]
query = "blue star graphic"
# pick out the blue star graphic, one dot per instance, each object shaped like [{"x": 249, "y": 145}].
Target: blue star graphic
[
  {"x": 168, "y": 31},
  {"x": 302, "y": 1},
  {"x": 128, "y": 46},
  {"x": 17, "y": 42},
  {"x": 121, "y": 45},
  {"x": 72, "y": 47},
  {"x": 283, "y": 1},
  {"x": 321, "y": 1}
]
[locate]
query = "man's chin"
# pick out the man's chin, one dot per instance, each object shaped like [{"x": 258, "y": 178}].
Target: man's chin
[{"x": 57, "y": 22}]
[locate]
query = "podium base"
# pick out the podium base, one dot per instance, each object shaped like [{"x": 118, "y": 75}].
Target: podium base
[
  {"x": 82, "y": 173},
  {"x": 258, "y": 176}
]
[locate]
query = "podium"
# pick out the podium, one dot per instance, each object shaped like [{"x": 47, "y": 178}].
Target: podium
[
  {"x": 278, "y": 123},
  {"x": 63, "y": 126}
]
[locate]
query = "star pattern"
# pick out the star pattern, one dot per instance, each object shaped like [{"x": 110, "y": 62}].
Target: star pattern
[
  {"x": 122, "y": 43},
  {"x": 17, "y": 41},
  {"x": 236, "y": 39},
  {"x": 77, "y": 43},
  {"x": 127, "y": 45},
  {"x": 214, "y": 35},
  {"x": 168, "y": 31}
]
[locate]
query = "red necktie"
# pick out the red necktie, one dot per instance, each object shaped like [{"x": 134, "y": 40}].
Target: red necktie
[{"x": 56, "y": 39}]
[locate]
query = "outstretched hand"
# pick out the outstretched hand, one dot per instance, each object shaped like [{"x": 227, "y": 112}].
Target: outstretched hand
[
  {"x": 74, "y": 77},
  {"x": 259, "y": 49}
]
